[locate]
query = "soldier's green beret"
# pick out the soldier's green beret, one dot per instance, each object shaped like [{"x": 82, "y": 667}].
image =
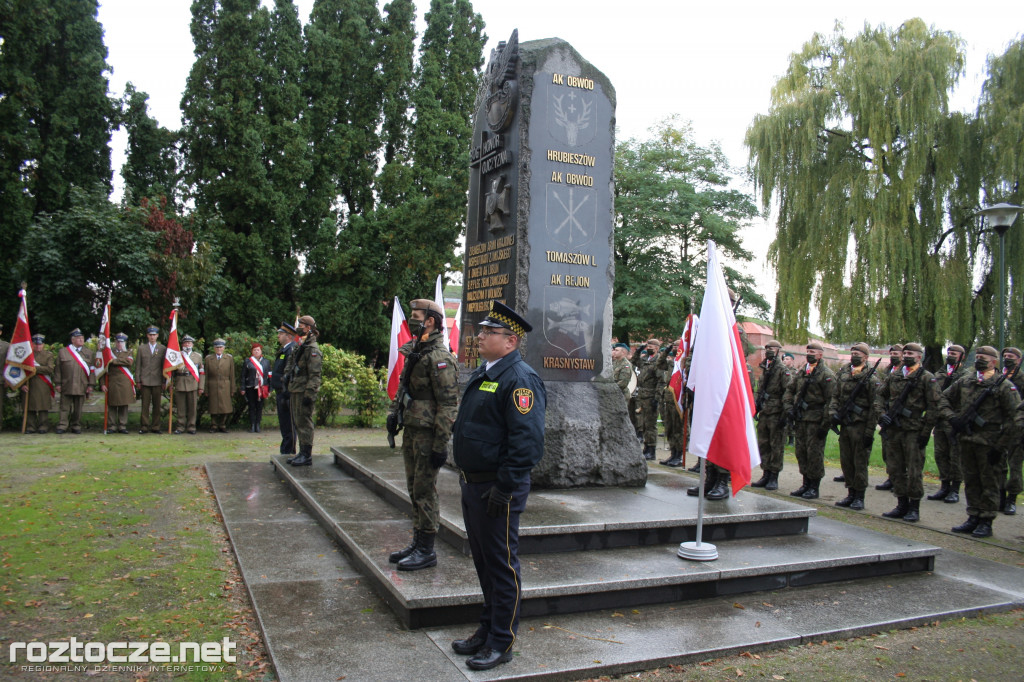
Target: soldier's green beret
[
  {"x": 623, "y": 346},
  {"x": 1012, "y": 350},
  {"x": 988, "y": 350}
]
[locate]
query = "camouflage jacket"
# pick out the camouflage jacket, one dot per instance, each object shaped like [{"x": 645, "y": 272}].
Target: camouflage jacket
[
  {"x": 922, "y": 403},
  {"x": 947, "y": 379},
  {"x": 622, "y": 372},
  {"x": 998, "y": 411},
  {"x": 818, "y": 394},
  {"x": 864, "y": 409},
  {"x": 305, "y": 366},
  {"x": 433, "y": 388},
  {"x": 778, "y": 378},
  {"x": 649, "y": 381}
]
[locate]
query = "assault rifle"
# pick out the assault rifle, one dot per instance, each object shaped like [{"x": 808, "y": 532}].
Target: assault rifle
[
  {"x": 969, "y": 418},
  {"x": 396, "y": 419},
  {"x": 898, "y": 409},
  {"x": 850, "y": 405},
  {"x": 800, "y": 404},
  {"x": 762, "y": 395}
]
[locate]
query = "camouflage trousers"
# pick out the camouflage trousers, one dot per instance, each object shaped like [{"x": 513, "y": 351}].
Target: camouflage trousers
[
  {"x": 853, "y": 456},
  {"x": 810, "y": 450},
  {"x": 648, "y": 419},
  {"x": 771, "y": 442},
  {"x": 905, "y": 465},
  {"x": 302, "y": 418},
  {"x": 947, "y": 454},
  {"x": 421, "y": 477},
  {"x": 673, "y": 422},
  {"x": 1010, "y": 472},
  {"x": 982, "y": 480}
]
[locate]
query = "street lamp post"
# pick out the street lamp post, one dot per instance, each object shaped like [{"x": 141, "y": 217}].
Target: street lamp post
[{"x": 1000, "y": 217}]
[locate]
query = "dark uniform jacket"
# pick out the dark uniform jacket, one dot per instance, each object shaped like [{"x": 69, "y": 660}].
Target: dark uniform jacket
[
  {"x": 39, "y": 398},
  {"x": 500, "y": 427},
  {"x": 865, "y": 408},
  {"x": 280, "y": 362},
  {"x": 922, "y": 402},
  {"x": 997, "y": 410},
  {"x": 70, "y": 376},
  {"x": 433, "y": 389},
  {"x": 818, "y": 394},
  {"x": 120, "y": 391},
  {"x": 249, "y": 377},
  {"x": 778, "y": 377}
]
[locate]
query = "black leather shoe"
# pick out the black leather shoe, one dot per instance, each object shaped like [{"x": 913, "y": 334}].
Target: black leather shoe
[
  {"x": 953, "y": 496},
  {"x": 773, "y": 481},
  {"x": 799, "y": 492},
  {"x": 400, "y": 554},
  {"x": 60, "y": 430},
  {"x": 488, "y": 658},
  {"x": 887, "y": 485},
  {"x": 1010, "y": 506},
  {"x": 303, "y": 460},
  {"x": 984, "y": 530},
  {"x": 761, "y": 482},
  {"x": 695, "y": 469},
  {"x": 839, "y": 479},
  {"x": 941, "y": 493},
  {"x": 469, "y": 646},
  {"x": 846, "y": 501},
  {"x": 858, "y": 500},
  {"x": 720, "y": 491},
  {"x": 967, "y": 526}
]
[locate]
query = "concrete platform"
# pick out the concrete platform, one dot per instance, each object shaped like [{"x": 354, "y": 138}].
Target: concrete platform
[
  {"x": 321, "y": 620},
  {"x": 367, "y": 528}
]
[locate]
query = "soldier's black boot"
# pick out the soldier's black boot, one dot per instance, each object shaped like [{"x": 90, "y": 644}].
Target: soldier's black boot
[
  {"x": 900, "y": 510},
  {"x": 721, "y": 489},
  {"x": 649, "y": 452},
  {"x": 913, "y": 511},
  {"x": 1010, "y": 506},
  {"x": 885, "y": 485},
  {"x": 304, "y": 459},
  {"x": 812, "y": 489},
  {"x": 967, "y": 526},
  {"x": 984, "y": 529},
  {"x": 395, "y": 557},
  {"x": 941, "y": 493},
  {"x": 841, "y": 478},
  {"x": 695, "y": 469},
  {"x": 773, "y": 481},
  {"x": 761, "y": 482},
  {"x": 676, "y": 460},
  {"x": 953, "y": 496},
  {"x": 858, "y": 500},
  {"x": 802, "y": 489},
  {"x": 422, "y": 556},
  {"x": 710, "y": 478},
  {"x": 848, "y": 500},
  {"x": 1002, "y": 500}
]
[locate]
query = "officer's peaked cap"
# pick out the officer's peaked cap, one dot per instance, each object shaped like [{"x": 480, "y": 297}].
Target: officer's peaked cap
[{"x": 503, "y": 316}]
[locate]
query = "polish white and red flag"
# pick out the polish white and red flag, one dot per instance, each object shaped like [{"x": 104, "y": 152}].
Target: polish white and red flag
[
  {"x": 456, "y": 333},
  {"x": 678, "y": 379},
  {"x": 439, "y": 299},
  {"x": 106, "y": 354},
  {"x": 400, "y": 335},
  {"x": 172, "y": 359},
  {"x": 20, "y": 363},
  {"x": 723, "y": 402}
]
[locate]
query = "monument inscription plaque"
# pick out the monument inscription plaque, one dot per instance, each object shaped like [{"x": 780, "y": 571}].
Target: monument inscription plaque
[{"x": 539, "y": 238}]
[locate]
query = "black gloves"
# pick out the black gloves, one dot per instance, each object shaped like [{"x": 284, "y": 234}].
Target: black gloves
[
  {"x": 994, "y": 456},
  {"x": 437, "y": 459},
  {"x": 869, "y": 440},
  {"x": 392, "y": 422},
  {"x": 922, "y": 439},
  {"x": 307, "y": 401},
  {"x": 836, "y": 420},
  {"x": 821, "y": 432},
  {"x": 885, "y": 420},
  {"x": 497, "y": 502}
]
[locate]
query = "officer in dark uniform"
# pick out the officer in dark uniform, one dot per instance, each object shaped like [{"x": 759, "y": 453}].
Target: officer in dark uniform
[
  {"x": 498, "y": 438},
  {"x": 285, "y": 337}
]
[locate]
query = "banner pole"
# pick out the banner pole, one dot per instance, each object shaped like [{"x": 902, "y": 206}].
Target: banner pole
[
  {"x": 24, "y": 417},
  {"x": 170, "y": 410}
]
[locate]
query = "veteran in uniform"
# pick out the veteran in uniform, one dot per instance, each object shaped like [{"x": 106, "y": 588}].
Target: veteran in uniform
[
  {"x": 1011, "y": 473},
  {"x": 947, "y": 448},
  {"x": 73, "y": 378},
  {"x": 857, "y": 426},
  {"x": 149, "y": 378},
  {"x": 497, "y": 440},
  {"x": 771, "y": 431},
  {"x": 4, "y": 347},
  {"x": 220, "y": 385},
  {"x": 39, "y": 389},
  {"x": 187, "y": 388},
  {"x": 908, "y": 433},
  {"x": 426, "y": 404},
  {"x": 806, "y": 404},
  {"x": 303, "y": 383},
  {"x": 286, "y": 339},
  {"x": 119, "y": 385},
  {"x": 984, "y": 440},
  {"x": 648, "y": 390}
]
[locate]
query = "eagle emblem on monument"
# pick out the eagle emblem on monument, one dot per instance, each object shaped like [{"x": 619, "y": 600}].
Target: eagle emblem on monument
[{"x": 500, "y": 103}]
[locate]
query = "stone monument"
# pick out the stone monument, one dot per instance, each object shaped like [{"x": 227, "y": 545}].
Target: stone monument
[{"x": 540, "y": 239}]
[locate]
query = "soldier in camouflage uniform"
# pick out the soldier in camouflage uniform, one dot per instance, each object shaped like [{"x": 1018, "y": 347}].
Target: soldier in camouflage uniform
[
  {"x": 806, "y": 407},
  {"x": 908, "y": 432},
  {"x": 947, "y": 448},
  {"x": 983, "y": 442},
  {"x": 302, "y": 374},
  {"x": 857, "y": 426},
  {"x": 771, "y": 434},
  {"x": 670, "y": 417},
  {"x": 895, "y": 362},
  {"x": 622, "y": 371},
  {"x": 426, "y": 404},
  {"x": 1011, "y": 474},
  {"x": 648, "y": 388}
]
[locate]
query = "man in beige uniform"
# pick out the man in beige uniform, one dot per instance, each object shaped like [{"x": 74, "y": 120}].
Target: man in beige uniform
[
  {"x": 119, "y": 385},
  {"x": 149, "y": 380},
  {"x": 73, "y": 379},
  {"x": 4, "y": 347},
  {"x": 186, "y": 388},
  {"x": 220, "y": 385},
  {"x": 39, "y": 389}
]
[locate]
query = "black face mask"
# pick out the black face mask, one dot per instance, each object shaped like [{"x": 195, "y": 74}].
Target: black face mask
[
  {"x": 769, "y": 355},
  {"x": 950, "y": 360},
  {"x": 1009, "y": 364},
  {"x": 856, "y": 362},
  {"x": 980, "y": 365},
  {"x": 811, "y": 360},
  {"x": 895, "y": 362}
]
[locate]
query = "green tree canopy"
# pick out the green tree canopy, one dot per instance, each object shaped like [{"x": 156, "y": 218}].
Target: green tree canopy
[
  {"x": 671, "y": 196},
  {"x": 151, "y": 166}
]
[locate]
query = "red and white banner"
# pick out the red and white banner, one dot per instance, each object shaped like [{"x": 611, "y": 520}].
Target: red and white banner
[
  {"x": 456, "y": 333},
  {"x": 20, "y": 363},
  {"x": 678, "y": 378},
  {"x": 439, "y": 299},
  {"x": 400, "y": 335},
  {"x": 723, "y": 402},
  {"x": 106, "y": 354},
  {"x": 172, "y": 359}
]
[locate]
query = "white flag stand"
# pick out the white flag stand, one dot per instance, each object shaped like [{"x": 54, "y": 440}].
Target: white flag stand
[{"x": 699, "y": 551}]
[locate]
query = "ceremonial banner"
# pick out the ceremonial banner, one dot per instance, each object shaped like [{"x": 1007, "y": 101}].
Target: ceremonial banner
[
  {"x": 172, "y": 359},
  {"x": 439, "y": 299},
  {"x": 106, "y": 354},
  {"x": 400, "y": 335},
  {"x": 20, "y": 363}
]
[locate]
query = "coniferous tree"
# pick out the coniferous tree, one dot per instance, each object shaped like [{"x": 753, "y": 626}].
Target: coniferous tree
[{"x": 151, "y": 166}]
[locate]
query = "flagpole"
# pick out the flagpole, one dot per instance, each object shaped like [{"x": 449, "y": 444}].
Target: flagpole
[
  {"x": 170, "y": 410},
  {"x": 698, "y": 550},
  {"x": 106, "y": 400},
  {"x": 24, "y": 417}
]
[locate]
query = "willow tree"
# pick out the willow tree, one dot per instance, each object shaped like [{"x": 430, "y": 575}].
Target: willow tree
[{"x": 860, "y": 157}]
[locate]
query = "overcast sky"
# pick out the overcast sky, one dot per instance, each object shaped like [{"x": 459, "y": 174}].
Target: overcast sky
[{"x": 713, "y": 63}]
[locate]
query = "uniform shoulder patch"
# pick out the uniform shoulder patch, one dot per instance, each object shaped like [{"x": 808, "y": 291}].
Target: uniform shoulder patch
[
  {"x": 523, "y": 399},
  {"x": 442, "y": 365}
]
